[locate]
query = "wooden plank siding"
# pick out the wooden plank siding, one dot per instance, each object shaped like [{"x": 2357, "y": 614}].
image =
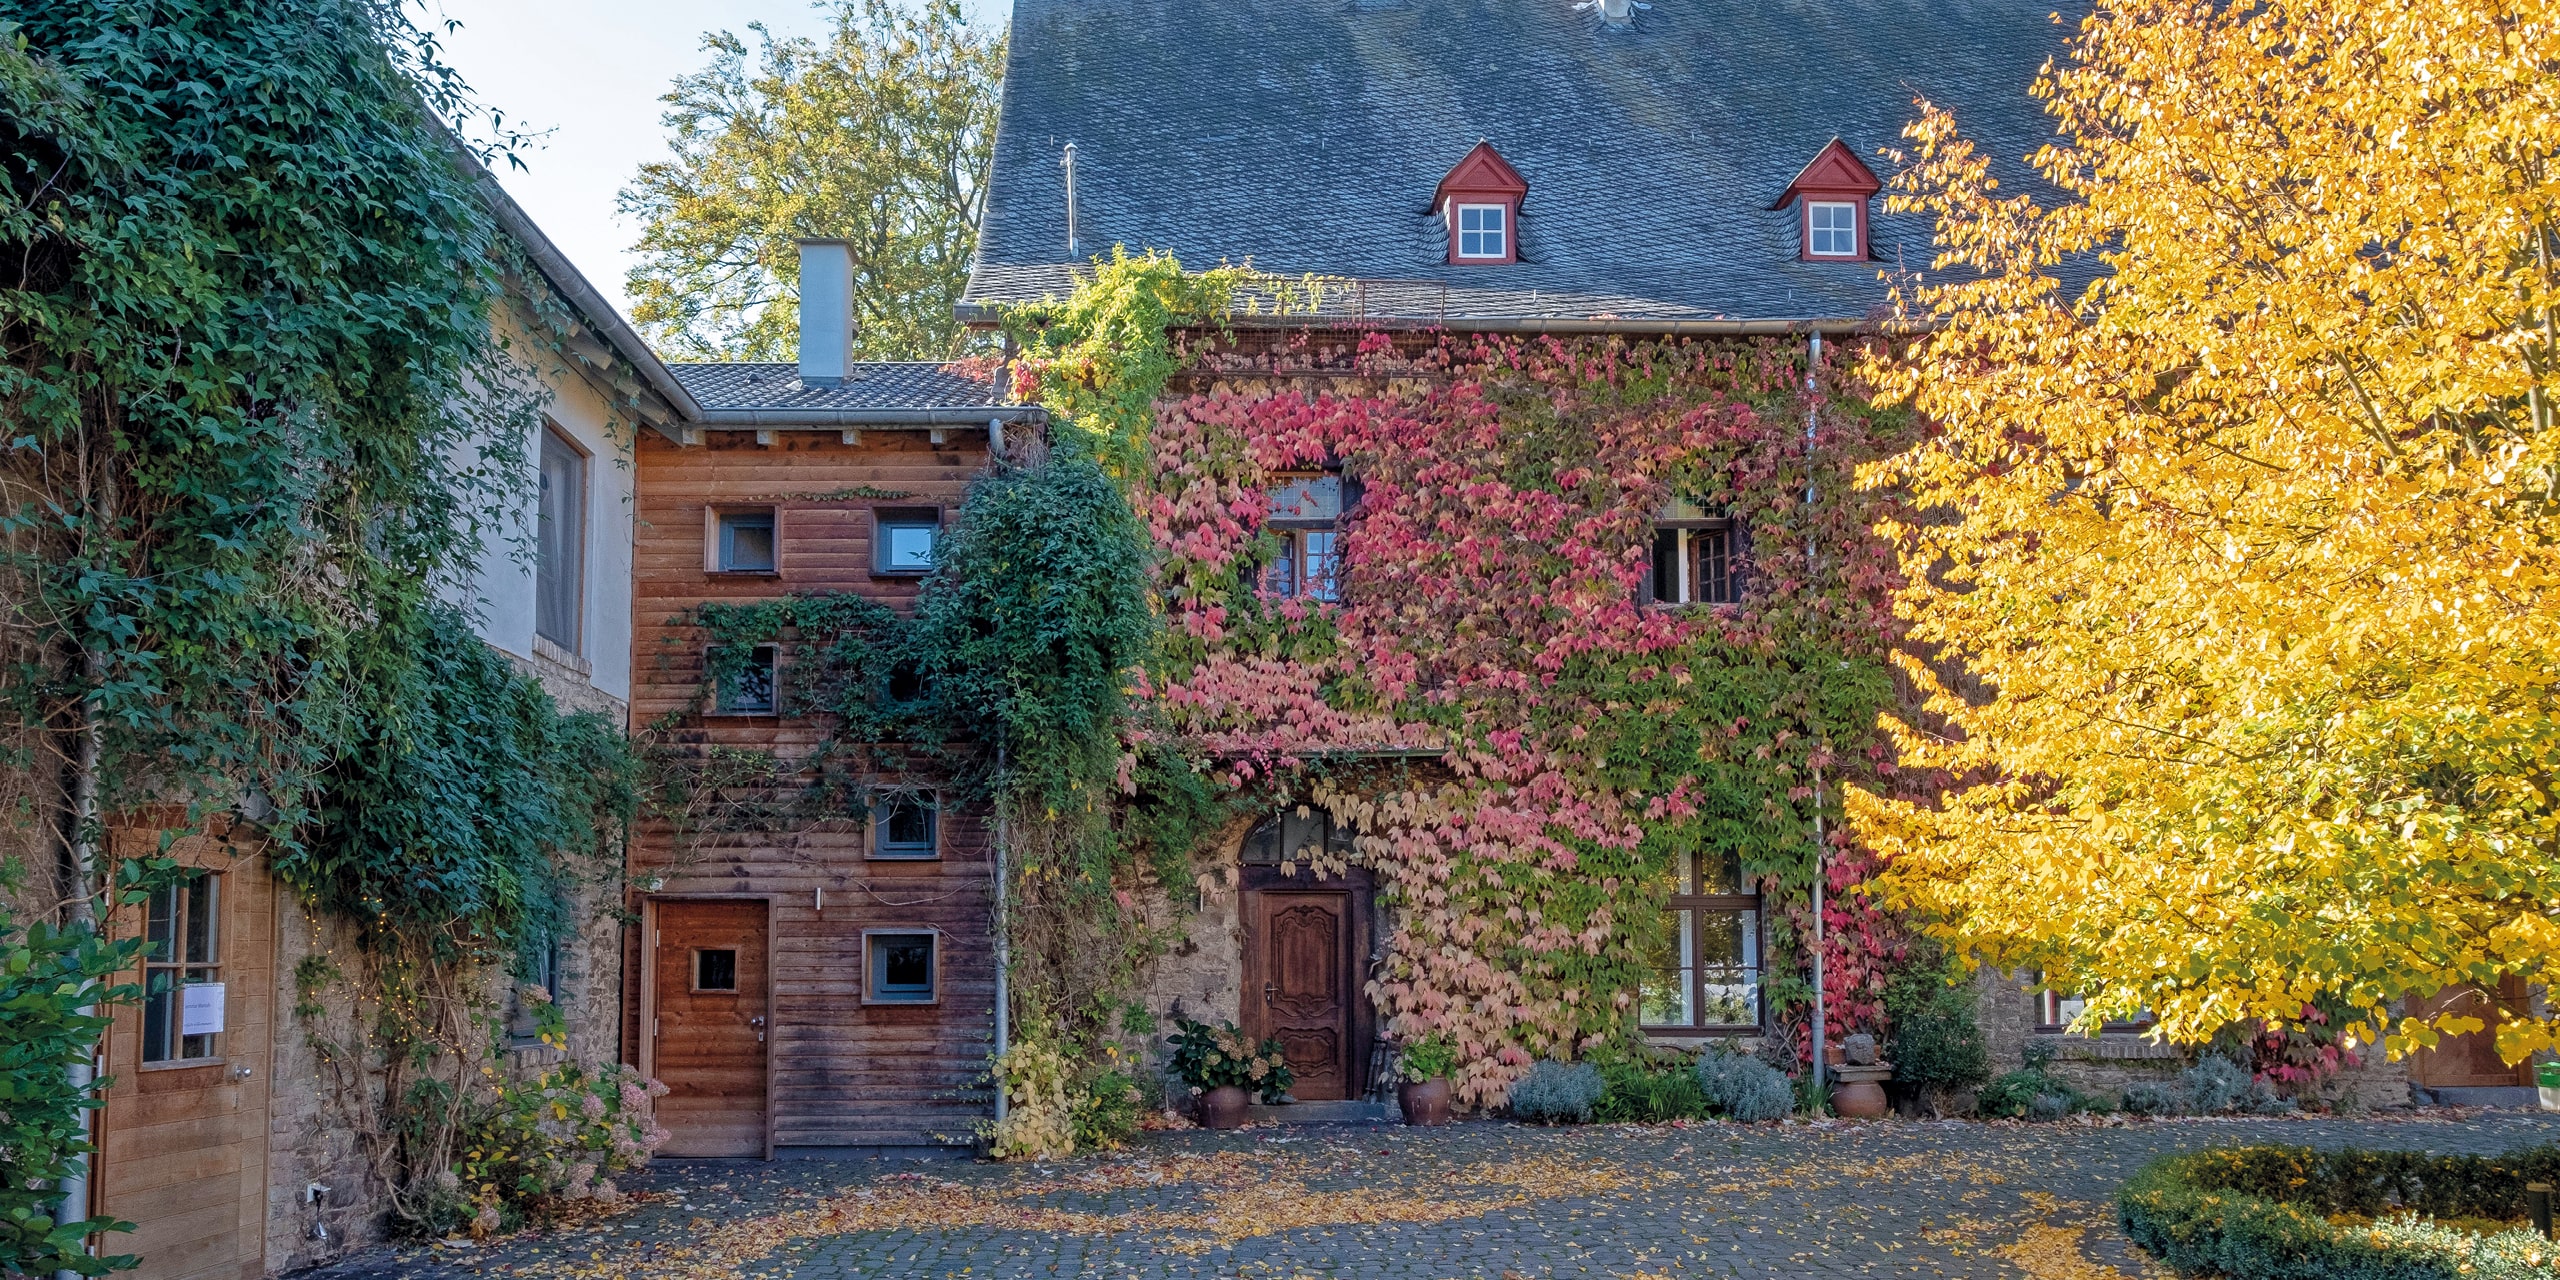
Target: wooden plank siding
[{"x": 843, "y": 1073}]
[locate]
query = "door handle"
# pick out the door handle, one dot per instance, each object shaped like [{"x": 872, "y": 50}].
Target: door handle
[
  {"x": 1269, "y": 989},
  {"x": 758, "y": 1023}
]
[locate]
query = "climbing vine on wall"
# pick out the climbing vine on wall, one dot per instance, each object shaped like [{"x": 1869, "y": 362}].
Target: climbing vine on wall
[
  {"x": 261, "y": 422},
  {"x": 1491, "y": 577}
]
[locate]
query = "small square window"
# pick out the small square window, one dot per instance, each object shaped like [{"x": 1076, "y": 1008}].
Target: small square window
[
  {"x": 715, "y": 969},
  {"x": 1483, "y": 231},
  {"x": 1696, "y": 566},
  {"x": 905, "y": 543},
  {"x": 905, "y": 828},
  {"x": 748, "y": 690},
  {"x": 900, "y": 968},
  {"x": 1831, "y": 228},
  {"x": 746, "y": 542}
]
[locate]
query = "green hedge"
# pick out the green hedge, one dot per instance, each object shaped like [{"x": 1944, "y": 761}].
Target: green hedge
[{"x": 2262, "y": 1213}]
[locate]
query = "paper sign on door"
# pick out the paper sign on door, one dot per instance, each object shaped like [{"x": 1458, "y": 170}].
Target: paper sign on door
[{"x": 202, "y": 1014}]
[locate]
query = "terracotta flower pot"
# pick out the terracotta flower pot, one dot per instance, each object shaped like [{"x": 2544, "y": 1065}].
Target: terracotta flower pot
[
  {"x": 1223, "y": 1107},
  {"x": 1426, "y": 1102}
]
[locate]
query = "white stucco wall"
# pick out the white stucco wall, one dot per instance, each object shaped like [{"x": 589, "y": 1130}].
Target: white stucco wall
[{"x": 504, "y": 582}]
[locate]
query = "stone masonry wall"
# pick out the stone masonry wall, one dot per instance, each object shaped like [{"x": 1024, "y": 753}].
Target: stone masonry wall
[{"x": 2005, "y": 1007}]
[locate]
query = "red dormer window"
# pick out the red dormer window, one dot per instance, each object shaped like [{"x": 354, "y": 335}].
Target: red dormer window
[
  {"x": 1479, "y": 201},
  {"x": 1832, "y": 193}
]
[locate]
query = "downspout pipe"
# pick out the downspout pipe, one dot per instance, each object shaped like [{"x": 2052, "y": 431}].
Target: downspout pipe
[
  {"x": 1821, "y": 845},
  {"x": 1004, "y": 957},
  {"x": 82, "y": 1076}
]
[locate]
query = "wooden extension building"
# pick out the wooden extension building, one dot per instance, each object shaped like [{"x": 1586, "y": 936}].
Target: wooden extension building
[{"x": 808, "y": 975}]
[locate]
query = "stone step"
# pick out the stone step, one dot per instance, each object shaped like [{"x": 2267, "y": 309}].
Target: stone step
[{"x": 1354, "y": 1112}]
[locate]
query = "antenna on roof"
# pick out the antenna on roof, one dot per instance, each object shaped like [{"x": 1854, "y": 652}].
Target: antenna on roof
[{"x": 1068, "y": 162}]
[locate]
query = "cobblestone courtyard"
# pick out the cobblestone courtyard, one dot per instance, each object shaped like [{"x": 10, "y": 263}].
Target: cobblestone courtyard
[{"x": 1479, "y": 1200}]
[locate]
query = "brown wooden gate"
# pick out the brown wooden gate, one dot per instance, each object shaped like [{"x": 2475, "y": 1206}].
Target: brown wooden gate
[
  {"x": 710, "y": 1008},
  {"x": 184, "y": 1143},
  {"x": 1306, "y": 947},
  {"x": 2469, "y": 1060}
]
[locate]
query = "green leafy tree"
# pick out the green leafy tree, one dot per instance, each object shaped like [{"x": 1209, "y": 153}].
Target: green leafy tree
[
  {"x": 52, "y": 990},
  {"x": 880, "y": 136}
]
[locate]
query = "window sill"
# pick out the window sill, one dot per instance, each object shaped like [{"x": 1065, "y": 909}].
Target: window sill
[
  {"x": 550, "y": 650},
  {"x": 902, "y": 573},
  {"x": 742, "y": 573},
  {"x": 742, "y": 715},
  {"x": 1697, "y": 1033},
  {"x": 899, "y": 1002},
  {"x": 190, "y": 1064},
  {"x": 935, "y": 856}
]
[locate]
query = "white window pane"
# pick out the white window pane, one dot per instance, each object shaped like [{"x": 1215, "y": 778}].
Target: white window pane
[
  {"x": 907, "y": 546},
  {"x": 1669, "y": 974}
]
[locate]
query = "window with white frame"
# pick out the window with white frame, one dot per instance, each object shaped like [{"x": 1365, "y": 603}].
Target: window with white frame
[
  {"x": 1702, "y": 970},
  {"x": 1831, "y": 229},
  {"x": 1484, "y": 231}
]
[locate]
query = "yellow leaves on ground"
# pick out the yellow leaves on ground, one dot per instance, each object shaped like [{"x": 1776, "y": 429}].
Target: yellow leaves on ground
[{"x": 2236, "y": 578}]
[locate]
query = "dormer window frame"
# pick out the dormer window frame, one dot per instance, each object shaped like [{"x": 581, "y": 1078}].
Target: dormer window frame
[
  {"x": 1835, "y": 177},
  {"x": 1499, "y": 231},
  {"x": 1814, "y": 230},
  {"x": 1481, "y": 180}
]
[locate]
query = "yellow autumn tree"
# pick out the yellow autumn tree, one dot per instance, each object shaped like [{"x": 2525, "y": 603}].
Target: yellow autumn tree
[{"x": 2234, "y": 578}]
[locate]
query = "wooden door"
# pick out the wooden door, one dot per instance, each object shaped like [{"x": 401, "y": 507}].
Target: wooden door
[
  {"x": 709, "y": 985},
  {"x": 1305, "y": 941},
  {"x": 2469, "y": 1060},
  {"x": 184, "y": 1132}
]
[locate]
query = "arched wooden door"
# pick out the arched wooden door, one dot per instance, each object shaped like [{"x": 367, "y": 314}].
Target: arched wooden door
[{"x": 1305, "y": 964}]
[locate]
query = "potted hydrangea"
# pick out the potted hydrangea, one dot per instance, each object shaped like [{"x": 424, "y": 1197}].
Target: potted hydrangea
[
  {"x": 1225, "y": 1070},
  {"x": 1426, "y": 1064}
]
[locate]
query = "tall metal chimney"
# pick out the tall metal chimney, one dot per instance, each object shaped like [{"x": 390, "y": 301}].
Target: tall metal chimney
[
  {"x": 826, "y": 312},
  {"x": 1075, "y": 248}
]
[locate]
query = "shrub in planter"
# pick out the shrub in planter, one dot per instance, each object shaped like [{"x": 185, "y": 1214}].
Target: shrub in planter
[
  {"x": 1936, "y": 1046},
  {"x": 1745, "y": 1089},
  {"x": 1425, "y": 1066},
  {"x": 2293, "y": 1213},
  {"x": 1208, "y": 1057},
  {"x": 1650, "y": 1089},
  {"x": 1556, "y": 1093}
]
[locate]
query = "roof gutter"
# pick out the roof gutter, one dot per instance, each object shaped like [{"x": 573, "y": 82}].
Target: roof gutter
[
  {"x": 961, "y": 417},
  {"x": 981, "y": 314}
]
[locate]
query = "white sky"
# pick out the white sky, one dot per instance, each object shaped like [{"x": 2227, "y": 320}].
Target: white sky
[{"x": 591, "y": 72}]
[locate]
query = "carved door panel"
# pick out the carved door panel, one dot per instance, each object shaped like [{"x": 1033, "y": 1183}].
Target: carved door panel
[{"x": 1304, "y": 951}]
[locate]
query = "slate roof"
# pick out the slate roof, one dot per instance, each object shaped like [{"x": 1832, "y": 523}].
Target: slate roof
[
  {"x": 1308, "y": 135},
  {"x": 729, "y": 386}
]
